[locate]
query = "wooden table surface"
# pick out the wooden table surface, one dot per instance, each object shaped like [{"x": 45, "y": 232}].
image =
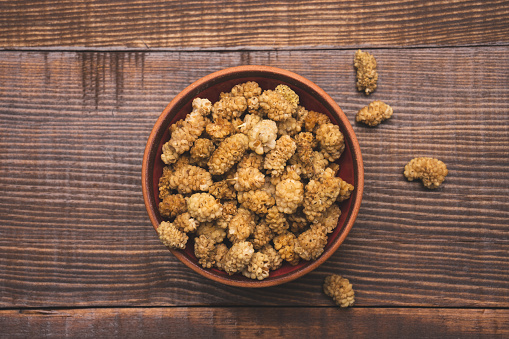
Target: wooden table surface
[{"x": 83, "y": 82}]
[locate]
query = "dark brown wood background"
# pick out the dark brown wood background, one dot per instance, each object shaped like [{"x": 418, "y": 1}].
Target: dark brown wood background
[{"x": 83, "y": 82}]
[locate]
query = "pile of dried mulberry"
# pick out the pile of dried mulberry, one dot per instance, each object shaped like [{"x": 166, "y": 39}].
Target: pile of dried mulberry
[{"x": 250, "y": 181}]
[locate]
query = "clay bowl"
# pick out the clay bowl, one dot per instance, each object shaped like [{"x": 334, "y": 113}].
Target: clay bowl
[{"x": 313, "y": 98}]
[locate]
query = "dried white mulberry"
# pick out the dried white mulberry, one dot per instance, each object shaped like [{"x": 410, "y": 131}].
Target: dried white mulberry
[
  {"x": 257, "y": 201},
  {"x": 275, "y": 106},
  {"x": 276, "y": 220},
  {"x": 320, "y": 194},
  {"x": 229, "y": 152},
  {"x": 275, "y": 160},
  {"x": 374, "y": 113},
  {"x": 275, "y": 260},
  {"x": 204, "y": 207},
  {"x": 229, "y": 107},
  {"x": 186, "y": 223},
  {"x": 170, "y": 236},
  {"x": 212, "y": 231},
  {"x": 289, "y": 195},
  {"x": 241, "y": 226},
  {"x": 172, "y": 205},
  {"x": 285, "y": 245},
  {"x": 311, "y": 243},
  {"x": 248, "y": 179},
  {"x": 189, "y": 179},
  {"x": 258, "y": 267},
  {"x": 367, "y": 75},
  {"x": 431, "y": 171},
  {"x": 183, "y": 135},
  {"x": 262, "y": 137},
  {"x": 205, "y": 251},
  {"x": 340, "y": 290},
  {"x": 201, "y": 152},
  {"x": 332, "y": 141},
  {"x": 238, "y": 257}
]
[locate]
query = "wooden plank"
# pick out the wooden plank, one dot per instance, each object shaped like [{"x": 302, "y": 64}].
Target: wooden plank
[
  {"x": 243, "y": 322},
  {"x": 74, "y": 228},
  {"x": 247, "y": 24}
]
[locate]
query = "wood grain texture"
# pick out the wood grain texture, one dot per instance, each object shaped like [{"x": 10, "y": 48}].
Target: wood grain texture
[
  {"x": 242, "y": 322},
  {"x": 252, "y": 24},
  {"x": 74, "y": 228}
]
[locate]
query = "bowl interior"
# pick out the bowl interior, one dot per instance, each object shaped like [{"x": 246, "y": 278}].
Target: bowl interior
[{"x": 311, "y": 100}]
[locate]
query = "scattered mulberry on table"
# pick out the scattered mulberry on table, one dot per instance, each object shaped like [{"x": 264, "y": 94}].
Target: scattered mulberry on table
[
  {"x": 367, "y": 75},
  {"x": 374, "y": 113},
  {"x": 431, "y": 171},
  {"x": 339, "y": 289}
]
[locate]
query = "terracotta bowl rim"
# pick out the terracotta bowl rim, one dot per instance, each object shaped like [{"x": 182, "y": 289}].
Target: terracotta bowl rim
[{"x": 246, "y": 72}]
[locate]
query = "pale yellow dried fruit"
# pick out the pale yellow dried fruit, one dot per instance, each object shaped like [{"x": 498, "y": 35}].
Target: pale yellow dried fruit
[
  {"x": 170, "y": 236},
  {"x": 339, "y": 289},
  {"x": 431, "y": 171},
  {"x": 367, "y": 75},
  {"x": 229, "y": 152},
  {"x": 204, "y": 207},
  {"x": 374, "y": 113}
]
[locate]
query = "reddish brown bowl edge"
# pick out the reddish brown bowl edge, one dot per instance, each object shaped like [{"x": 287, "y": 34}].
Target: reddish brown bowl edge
[{"x": 149, "y": 153}]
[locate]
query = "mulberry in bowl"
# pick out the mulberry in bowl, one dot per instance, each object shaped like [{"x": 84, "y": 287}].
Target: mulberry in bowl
[{"x": 252, "y": 176}]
